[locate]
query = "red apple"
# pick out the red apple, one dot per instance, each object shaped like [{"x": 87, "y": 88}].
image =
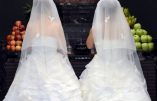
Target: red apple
[
  {"x": 18, "y": 37},
  {"x": 12, "y": 48},
  {"x": 13, "y": 33},
  {"x": 17, "y": 31},
  {"x": 18, "y": 48},
  {"x": 12, "y": 37},
  {"x": 18, "y": 23},
  {"x": 22, "y": 27},
  {"x": 22, "y": 33},
  {"x": 23, "y": 36},
  {"x": 15, "y": 28},
  {"x": 12, "y": 43},
  {"x": 9, "y": 42},
  {"x": 18, "y": 43},
  {"x": 8, "y": 37},
  {"x": 8, "y": 47}
]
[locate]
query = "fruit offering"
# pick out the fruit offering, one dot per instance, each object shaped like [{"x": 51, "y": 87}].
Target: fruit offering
[
  {"x": 131, "y": 19},
  {"x": 15, "y": 38},
  {"x": 143, "y": 40}
]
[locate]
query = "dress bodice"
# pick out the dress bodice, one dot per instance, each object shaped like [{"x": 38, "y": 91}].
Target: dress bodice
[
  {"x": 112, "y": 50},
  {"x": 45, "y": 41},
  {"x": 46, "y": 44}
]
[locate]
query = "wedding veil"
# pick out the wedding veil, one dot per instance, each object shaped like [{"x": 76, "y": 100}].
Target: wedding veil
[
  {"x": 44, "y": 22},
  {"x": 111, "y": 32}
]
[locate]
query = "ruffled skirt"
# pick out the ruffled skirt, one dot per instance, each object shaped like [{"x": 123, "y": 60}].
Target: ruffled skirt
[
  {"x": 44, "y": 77},
  {"x": 116, "y": 81}
]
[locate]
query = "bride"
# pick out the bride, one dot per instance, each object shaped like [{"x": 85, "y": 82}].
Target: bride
[
  {"x": 115, "y": 72},
  {"x": 44, "y": 72}
]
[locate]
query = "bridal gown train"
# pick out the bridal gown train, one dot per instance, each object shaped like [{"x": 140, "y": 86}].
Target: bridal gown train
[
  {"x": 110, "y": 76},
  {"x": 44, "y": 77}
]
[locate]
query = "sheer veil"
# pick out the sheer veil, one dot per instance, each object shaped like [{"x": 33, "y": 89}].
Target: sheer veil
[
  {"x": 44, "y": 72},
  {"x": 111, "y": 32},
  {"x": 44, "y": 22}
]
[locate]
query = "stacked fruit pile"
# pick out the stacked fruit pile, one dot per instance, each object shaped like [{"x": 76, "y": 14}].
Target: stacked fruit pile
[
  {"x": 143, "y": 40},
  {"x": 15, "y": 39},
  {"x": 131, "y": 19}
]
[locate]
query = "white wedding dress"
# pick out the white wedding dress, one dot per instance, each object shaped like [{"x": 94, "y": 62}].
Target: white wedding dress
[
  {"x": 110, "y": 76},
  {"x": 44, "y": 76}
]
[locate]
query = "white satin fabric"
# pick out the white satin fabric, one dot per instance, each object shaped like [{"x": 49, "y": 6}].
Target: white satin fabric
[
  {"x": 49, "y": 80},
  {"x": 111, "y": 76}
]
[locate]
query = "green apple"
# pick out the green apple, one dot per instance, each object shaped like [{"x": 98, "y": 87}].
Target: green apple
[
  {"x": 133, "y": 31},
  {"x": 144, "y": 38},
  {"x": 137, "y": 26},
  {"x": 126, "y": 11},
  {"x": 138, "y": 45},
  {"x": 149, "y": 38},
  {"x": 136, "y": 38},
  {"x": 145, "y": 32},
  {"x": 151, "y": 46},
  {"x": 129, "y": 21},
  {"x": 139, "y": 32},
  {"x": 145, "y": 47}
]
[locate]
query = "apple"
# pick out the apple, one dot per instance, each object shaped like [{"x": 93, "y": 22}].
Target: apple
[
  {"x": 149, "y": 38},
  {"x": 8, "y": 37},
  {"x": 126, "y": 11},
  {"x": 137, "y": 26},
  {"x": 22, "y": 27},
  {"x": 12, "y": 37},
  {"x": 8, "y": 47},
  {"x": 18, "y": 23},
  {"x": 138, "y": 45},
  {"x": 136, "y": 38},
  {"x": 145, "y": 32},
  {"x": 18, "y": 37},
  {"x": 18, "y": 43},
  {"x": 129, "y": 22},
  {"x": 22, "y": 33},
  {"x": 9, "y": 42},
  {"x": 23, "y": 36},
  {"x": 133, "y": 31},
  {"x": 15, "y": 28},
  {"x": 144, "y": 38},
  {"x": 12, "y": 48},
  {"x": 151, "y": 46},
  {"x": 13, "y": 33},
  {"x": 145, "y": 47},
  {"x": 12, "y": 43},
  {"x": 139, "y": 32},
  {"x": 17, "y": 31},
  {"x": 18, "y": 48}
]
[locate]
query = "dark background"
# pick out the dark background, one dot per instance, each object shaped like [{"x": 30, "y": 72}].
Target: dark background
[
  {"x": 144, "y": 10},
  {"x": 12, "y": 10}
]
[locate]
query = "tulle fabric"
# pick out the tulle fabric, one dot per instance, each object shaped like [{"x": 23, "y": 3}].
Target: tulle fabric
[
  {"x": 37, "y": 81},
  {"x": 44, "y": 22},
  {"x": 115, "y": 73},
  {"x": 44, "y": 72},
  {"x": 113, "y": 78}
]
